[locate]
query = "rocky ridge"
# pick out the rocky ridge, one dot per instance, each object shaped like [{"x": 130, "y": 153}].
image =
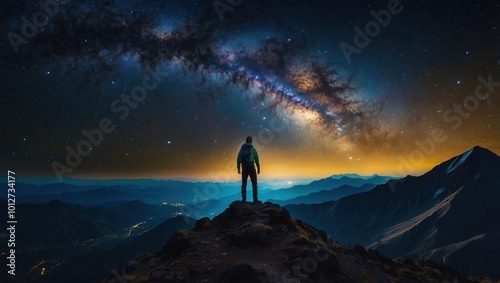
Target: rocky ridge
[{"x": 261, "y": 243}]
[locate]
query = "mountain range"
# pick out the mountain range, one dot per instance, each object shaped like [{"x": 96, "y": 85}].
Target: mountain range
[
  {"x": 331, "y": 188},
  {"x": 449, "y": 215},
  {"x": 97, "y": 263},
  {"x": 321, "y": 196},
  {"x": 329, "y": 183},
  {"x": 151, "y": 192},
  {"x": 58, "y": 239}
]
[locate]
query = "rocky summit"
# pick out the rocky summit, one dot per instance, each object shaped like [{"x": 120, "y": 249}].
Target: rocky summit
[{"x": 260, "y": 242}]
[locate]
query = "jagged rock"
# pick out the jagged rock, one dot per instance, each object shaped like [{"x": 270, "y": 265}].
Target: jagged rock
[
  {"x": 360, "y": 250},
  {"x": 158, "y": 275},
  {"x": 277, "y": 216},
  {"x": 177, "y": 244},
  {"x": 131, "y": 265},
  {"x": 241, "y": 272},
  {"x": 376, "y": 255},
  {"x": 203, "y": 223},
  {"x": 254, "y": 234},
  {"x": 250, "y": 213}
]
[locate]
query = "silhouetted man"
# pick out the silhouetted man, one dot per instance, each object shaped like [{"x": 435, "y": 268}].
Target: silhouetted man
[{"x": 247, "y": 156}]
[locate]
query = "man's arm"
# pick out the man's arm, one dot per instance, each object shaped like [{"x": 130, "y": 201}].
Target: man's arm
[
  {"x": 238, "y": 162},
  {"x": 256, "y": 158}
]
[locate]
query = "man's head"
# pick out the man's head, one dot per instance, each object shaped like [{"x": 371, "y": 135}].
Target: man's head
[{"x": 249, "y": 139}]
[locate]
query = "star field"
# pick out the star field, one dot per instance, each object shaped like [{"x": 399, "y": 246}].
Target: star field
[{"x": 174, "y": 90}]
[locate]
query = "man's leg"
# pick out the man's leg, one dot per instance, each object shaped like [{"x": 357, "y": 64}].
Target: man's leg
[
  {"x": 244, "y": 178},
  {"x": 253, "y": 178}
]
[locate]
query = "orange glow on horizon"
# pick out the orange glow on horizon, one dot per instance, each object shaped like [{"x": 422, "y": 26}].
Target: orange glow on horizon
[{"x": 287, "y": 163}]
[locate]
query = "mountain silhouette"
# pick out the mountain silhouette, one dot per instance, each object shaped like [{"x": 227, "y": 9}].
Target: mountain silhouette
[
  {"x": 65, "y": 238},
  {"x": 449, "y": 214},
  {"x": 150, "y": 191},
  {"x": 329, "y": 183},
  {"x": 97, "y": 263},
  {"x": 262, "y": 243},
  {"x": 59, "y": 223},
  {"x": 321, "y": 196}
]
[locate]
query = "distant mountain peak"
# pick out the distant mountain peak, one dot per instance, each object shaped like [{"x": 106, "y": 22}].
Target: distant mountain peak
[
  {"x": 459, "y": 160},
  {"x": 351, "y": 176},
  {"x": 477, "y": 150},
  {"x": 475, "y": 153},
  {"x": 261, "y": 243}
]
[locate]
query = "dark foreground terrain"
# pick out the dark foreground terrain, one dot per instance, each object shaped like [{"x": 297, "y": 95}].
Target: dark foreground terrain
[{"x": 262, "y": 243}]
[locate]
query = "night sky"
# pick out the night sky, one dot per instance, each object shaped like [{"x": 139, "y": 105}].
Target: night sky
[{"x": 174, "y": 87}]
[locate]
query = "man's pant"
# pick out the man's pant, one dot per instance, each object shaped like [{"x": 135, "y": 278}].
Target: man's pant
[{"x": 248, "y": 170}]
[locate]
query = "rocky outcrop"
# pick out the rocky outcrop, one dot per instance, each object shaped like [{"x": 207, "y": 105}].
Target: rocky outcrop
[{"x": 261, "y": 243}]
